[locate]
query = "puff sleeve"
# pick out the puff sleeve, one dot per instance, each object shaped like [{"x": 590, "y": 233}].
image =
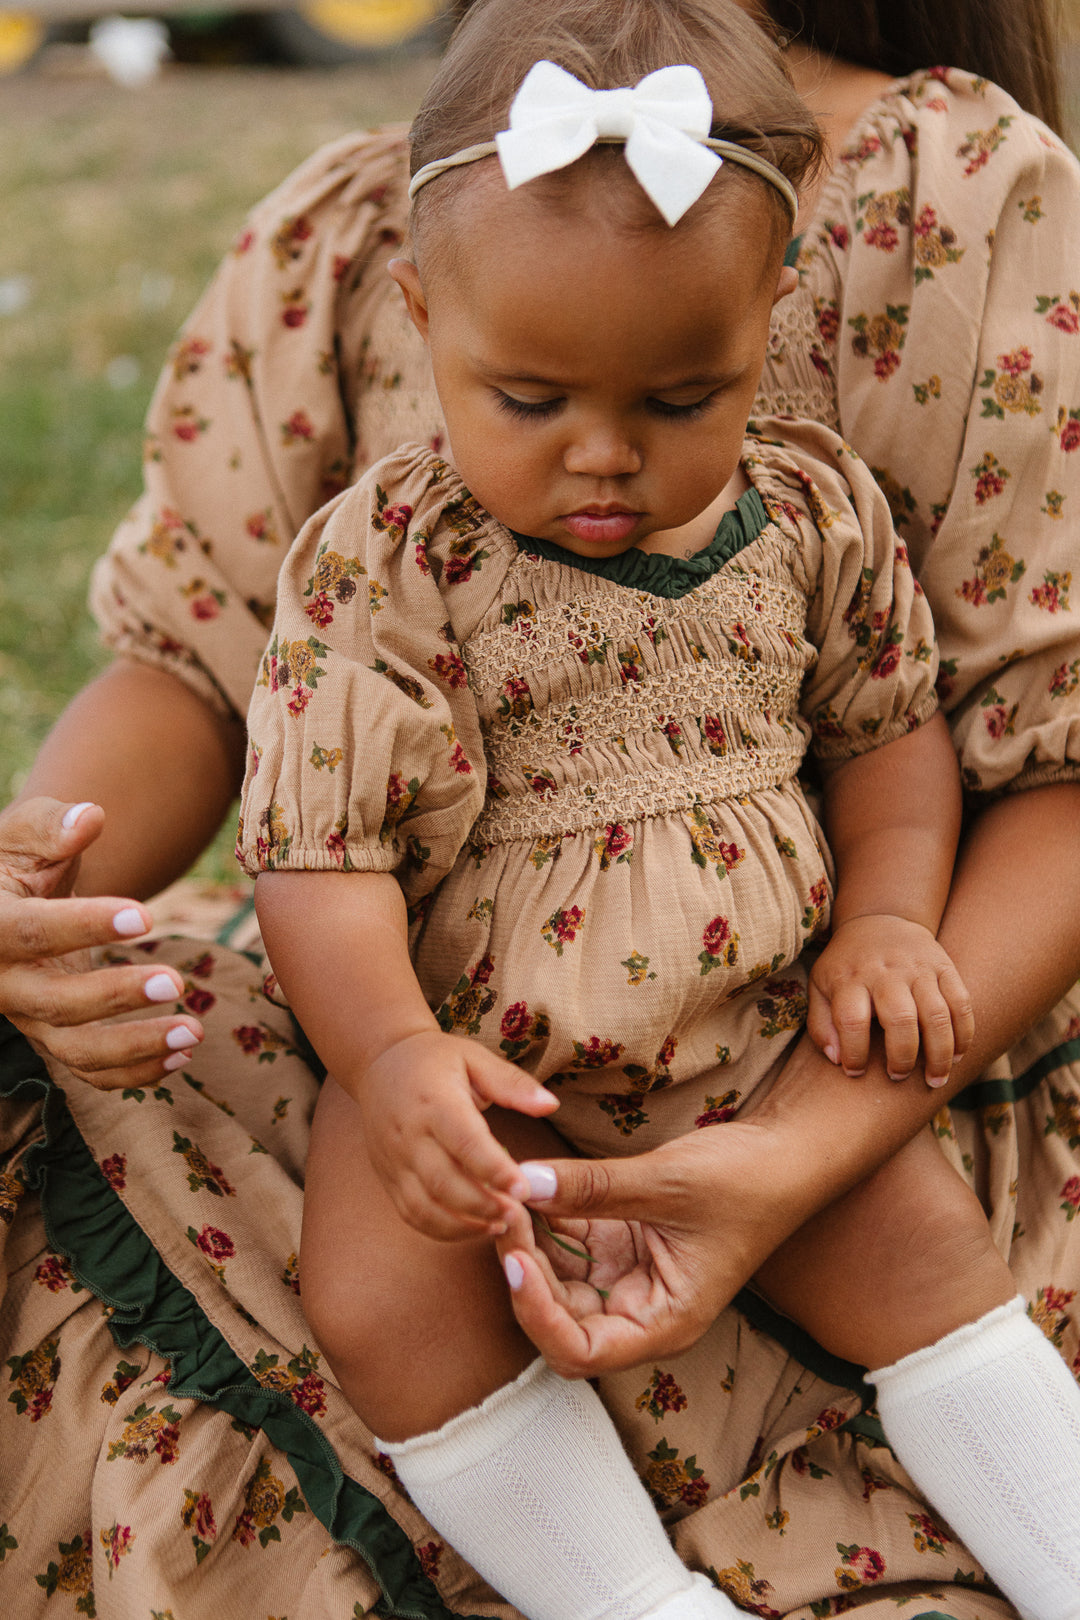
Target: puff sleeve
[
  {"x": 944, "y": 260},
  {"x": 252, "y": 426},
  {"x": 365, "y": 745},
  {"x": 873, "y": 677}
]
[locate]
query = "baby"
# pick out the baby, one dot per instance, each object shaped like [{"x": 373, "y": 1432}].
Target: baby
[{"x": 524, "y": 787}]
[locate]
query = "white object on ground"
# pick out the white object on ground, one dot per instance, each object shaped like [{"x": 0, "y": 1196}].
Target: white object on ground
[{"x": 131, "y": 49}]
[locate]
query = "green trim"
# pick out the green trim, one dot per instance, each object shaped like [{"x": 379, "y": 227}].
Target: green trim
[
  {"x": 660, "y": 575},
  {"x": 866, "y": 1427},
  {"x": 244, "y": 911},
  {"x": 985, "y": 1093},
  {"x": 798, "y": 1343},
  {"x": 792, "y": 251},
  {"x": 111, "y": 1255}
]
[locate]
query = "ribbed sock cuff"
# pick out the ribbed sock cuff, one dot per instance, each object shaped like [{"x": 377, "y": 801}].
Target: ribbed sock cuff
[
  {"x": 1001, "y": 1332},
  {"x": 471, "y": 1437}
]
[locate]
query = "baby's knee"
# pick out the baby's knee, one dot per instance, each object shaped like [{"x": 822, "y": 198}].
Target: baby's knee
[
  {"x": 932, "y": 1259},
  {"x": 337, "y": 1307}
]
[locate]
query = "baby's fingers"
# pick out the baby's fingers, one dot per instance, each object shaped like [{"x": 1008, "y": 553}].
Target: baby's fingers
[
  {"x": 819, "y": 1023},
  {"x": 435, "y": 1198},
  {"x": 899, "y": 1015},
  {"x": 947, "y": 1023},
  {"x": 496, "y": 1081},
  {"x": 851, "y": 1008}
]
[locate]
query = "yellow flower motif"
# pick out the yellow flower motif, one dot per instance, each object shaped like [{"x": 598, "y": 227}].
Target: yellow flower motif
[
  {"x": 301, "y": 660},
  {"x": 1014, "y": 394},
  {"x": 998, "y": 568},
  {"x": 329, "y": 569}
]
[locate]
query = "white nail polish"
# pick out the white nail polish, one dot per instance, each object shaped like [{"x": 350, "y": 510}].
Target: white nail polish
[
  {"x": 179, "y": 1037},
  {"x": 71, "y": 815},
  {"x": 177, "y": 1061},
  {"x": 542, "y": 1180},
  {"x": 515, "y": 1272},
  {"x": 128, "y": 922},
  {"x": 160, "y": 988}
]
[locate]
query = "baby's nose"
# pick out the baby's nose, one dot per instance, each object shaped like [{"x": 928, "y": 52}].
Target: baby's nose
[{"x": 602, "y": 455}]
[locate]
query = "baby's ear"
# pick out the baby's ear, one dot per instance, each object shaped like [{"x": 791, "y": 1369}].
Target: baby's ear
[
  {"x": 407, "y": 277},
  {"x": 787, "y": 282}
]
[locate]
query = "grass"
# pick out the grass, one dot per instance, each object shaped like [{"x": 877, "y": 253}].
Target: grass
[{"x": 117, "y": 205}]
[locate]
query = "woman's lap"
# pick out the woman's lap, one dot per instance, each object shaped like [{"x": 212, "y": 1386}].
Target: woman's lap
[{"x": 751, "y": 1456}]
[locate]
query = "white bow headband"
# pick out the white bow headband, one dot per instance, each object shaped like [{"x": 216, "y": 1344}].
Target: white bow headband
[{"x": 664, "y": 122}]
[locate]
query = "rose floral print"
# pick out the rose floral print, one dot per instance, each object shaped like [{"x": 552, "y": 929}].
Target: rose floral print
[
  {"x": 764, "y": 639},
  {"x": 277, "y": 416}
]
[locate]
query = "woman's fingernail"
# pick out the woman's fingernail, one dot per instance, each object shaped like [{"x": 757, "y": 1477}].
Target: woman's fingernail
[
  {"x": 854, "y": 1074},
  {"x": 160, "y": 988},
  {"x": 936, "y": 1080},
  {"x": 128, "y": 922},
  {"x": 832, "y": 1053},
  {"x": 72, "y": 814},
  {"x": 515, "y": 1272},
  {"x": 177, "y": 1061},
  {"x": 543, "y": 1182},
  {"x": 179, "y": 1037}
]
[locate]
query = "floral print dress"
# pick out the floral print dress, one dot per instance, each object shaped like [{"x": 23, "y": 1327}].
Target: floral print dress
[
  {"x": 584, "y": 774},
  {"x": 171, "y": 1442}
]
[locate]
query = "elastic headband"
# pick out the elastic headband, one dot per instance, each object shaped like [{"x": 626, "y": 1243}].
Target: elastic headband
[{"x": 663, "y": 122}]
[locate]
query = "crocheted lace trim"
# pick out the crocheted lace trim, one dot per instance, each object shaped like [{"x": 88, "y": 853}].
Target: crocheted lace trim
[{"x": 791, "y": 384}]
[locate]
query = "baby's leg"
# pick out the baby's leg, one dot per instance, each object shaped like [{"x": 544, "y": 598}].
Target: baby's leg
[
  {"x": 902, "y": 1276},
  {"x": 520, "y": 1470}
]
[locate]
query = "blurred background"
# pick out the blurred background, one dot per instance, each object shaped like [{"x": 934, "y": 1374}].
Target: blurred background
[{"x": 128, "y": 165}]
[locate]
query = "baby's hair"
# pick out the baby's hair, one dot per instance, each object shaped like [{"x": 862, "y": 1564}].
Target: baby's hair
[{"x": 607, "y": 44}]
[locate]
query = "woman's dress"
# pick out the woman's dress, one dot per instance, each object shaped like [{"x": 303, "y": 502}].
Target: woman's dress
[{"x": 172, "y": 1444}]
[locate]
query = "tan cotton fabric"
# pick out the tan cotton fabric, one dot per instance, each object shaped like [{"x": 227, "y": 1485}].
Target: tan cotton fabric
[
  {"x": 938, "y": 325},
  {"x": 587, "y": 790}
]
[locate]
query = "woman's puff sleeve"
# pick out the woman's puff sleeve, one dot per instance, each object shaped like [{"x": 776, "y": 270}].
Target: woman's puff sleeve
[
  {"x": 365, "y": 752},
  {"x": 249, "y": 431},
  {"x": 873, "y": 678},
  {"x": 955, "y": 342}
]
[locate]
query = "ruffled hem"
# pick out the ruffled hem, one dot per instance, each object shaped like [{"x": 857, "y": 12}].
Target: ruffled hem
[{"x": 112, "y": 1256}]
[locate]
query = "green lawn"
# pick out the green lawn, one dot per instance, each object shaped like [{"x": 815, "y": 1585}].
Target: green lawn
[{"x": 116, "y": 207}]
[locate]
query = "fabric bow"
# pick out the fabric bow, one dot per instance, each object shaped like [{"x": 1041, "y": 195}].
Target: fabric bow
[{"x": 555, "y": 119}]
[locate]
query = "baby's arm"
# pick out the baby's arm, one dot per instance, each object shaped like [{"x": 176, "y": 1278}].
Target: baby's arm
[
  {"x": 892, "y": 817},
  {"x": 338, "y": 944}
]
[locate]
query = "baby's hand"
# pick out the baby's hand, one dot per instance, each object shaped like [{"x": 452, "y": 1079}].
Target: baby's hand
[
  {"x": 422, "y": 1102},
  {"x": 892, "y": 969}
]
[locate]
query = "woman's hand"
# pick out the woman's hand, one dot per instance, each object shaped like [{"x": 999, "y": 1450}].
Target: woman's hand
[
  {"x": 47, "y": 988},
  {"x": 676, "y": 1233}
]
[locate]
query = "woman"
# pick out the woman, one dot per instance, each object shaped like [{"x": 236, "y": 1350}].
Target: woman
[{"x": 296, "y": 370}]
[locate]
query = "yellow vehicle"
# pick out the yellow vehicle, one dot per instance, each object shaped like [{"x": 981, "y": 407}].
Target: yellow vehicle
[{"x": 314, "y": 33}]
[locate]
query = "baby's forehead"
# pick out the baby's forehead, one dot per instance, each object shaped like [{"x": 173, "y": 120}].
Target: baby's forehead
[{"x": 467, "y": 215}]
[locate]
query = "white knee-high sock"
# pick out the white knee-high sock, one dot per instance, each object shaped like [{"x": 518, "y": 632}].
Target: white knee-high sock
[
  {"x": 987, "y": 1423},
  {"x": 534, "y": 1489}
]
